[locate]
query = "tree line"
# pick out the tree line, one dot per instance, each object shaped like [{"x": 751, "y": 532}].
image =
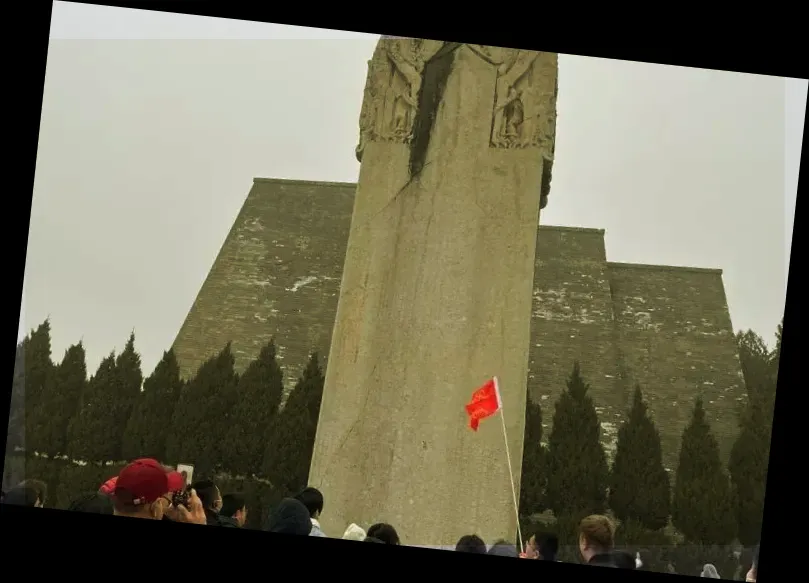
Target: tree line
[
  {"x": 218, "y": 420},
  {"x": 708, "y": 503},
  {"x": 222, "y": 421}
]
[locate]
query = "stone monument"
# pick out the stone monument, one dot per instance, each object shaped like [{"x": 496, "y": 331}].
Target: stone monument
[{"x": 456, "y": 147}]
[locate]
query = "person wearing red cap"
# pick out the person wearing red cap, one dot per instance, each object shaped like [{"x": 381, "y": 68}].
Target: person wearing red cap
[{"x": 142, "y": 490}]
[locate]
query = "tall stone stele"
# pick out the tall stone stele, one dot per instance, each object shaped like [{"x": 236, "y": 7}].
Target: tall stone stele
[{"x": 456, "y": 146}]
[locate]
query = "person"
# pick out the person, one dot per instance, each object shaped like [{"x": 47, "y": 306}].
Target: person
[
  {"x": 290, "y": 517},
  {"x": 624, "y": 560},
  {"x": 596, "y": 540},
  {"x": 211, "y": 498},
  {"x": 234, "y": 510},
  {"x": 142, "y": 490},
  {"x": 709, "y": 572},
  {"x": 94, "y": 503},
  {"x": 503, "y": 548},
  {"x": 370, "y": 539},
  {"x": 354, "y": 532},
  {"x": 312, "y": 498},
  {"x": 471, "y": 543},
  {"x": 384, "y": 532},
  {"x": 23, "y": 495},
  {"x": 543, "y": 547},
  {"x": 753, "y": 572}
]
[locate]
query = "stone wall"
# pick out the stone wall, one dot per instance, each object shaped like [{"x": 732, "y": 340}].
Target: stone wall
[
  {"x": 277, "y": 275},
  {"x": 279, "y": 270},
  {"x": 675, "y": 338}
]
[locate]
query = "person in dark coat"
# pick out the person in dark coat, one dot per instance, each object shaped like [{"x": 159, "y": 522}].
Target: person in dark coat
[{"x": 290, "y": 517}]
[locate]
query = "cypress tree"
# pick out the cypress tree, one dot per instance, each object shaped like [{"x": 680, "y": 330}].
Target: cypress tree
[
  {"x": 62, "y": 401},
  {"x": 200, "y": 421},
  {"x": 534, "y": 475},
  {"x": 15, "y": 436},
  {"x": 750, "y": 455},
  {"x": 86, "y": 434},
  {"x": 38, "y": 375},
  {"x": 259, "y": 391},
  {"x": 96, "y": 433},
  {"x": 289, "y": 452},
  {"x": 701, "y": 506},
  {"x": 639, "y": 484},
  {"x": 577, "y": 464},
  {"x": 147, "y": 430}
]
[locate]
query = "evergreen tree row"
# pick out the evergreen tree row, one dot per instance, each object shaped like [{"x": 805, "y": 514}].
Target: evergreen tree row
[
  {"x": 217, "y": 420},
  {"x": 708, "y": 503}
]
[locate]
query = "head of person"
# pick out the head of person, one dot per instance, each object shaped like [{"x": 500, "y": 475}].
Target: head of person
[
  {"x": 471, "y": 543},
  {"x": 312, "y": 498},
  {"x": 290, "y": 517},
  {"x": 370, "y": 539},
  {"x": 503, "y": 548},
  {"x": 354, "y": 532},
  {"x": 547, "y": 546},
  {"x": 209, "y": 495},
  {"x": 753, "y": 572},
  {"x": 596, "y": 536},
  {"x": 23, "y": 495},
  {"x": 709, "y": 572},
  {"x": 235, "y": 507},
  {"x": 40, "y": 488},
  {"x": 94, "y": 503},
  {"x": 384, "y": 532},
  {"x": 142, "y": 489}
]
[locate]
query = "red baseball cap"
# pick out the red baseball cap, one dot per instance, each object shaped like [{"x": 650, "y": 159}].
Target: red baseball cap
[
  {"x": 108, "y": 487},
  {"x": 144, "y": 481}
]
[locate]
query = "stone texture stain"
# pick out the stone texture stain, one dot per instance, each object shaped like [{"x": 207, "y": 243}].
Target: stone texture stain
[{"x": 278, "y": 275}]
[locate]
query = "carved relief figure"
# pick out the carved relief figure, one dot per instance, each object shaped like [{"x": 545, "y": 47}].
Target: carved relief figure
[
  {"x": 392, "y": 90},
  {"x": 525, "y": 101}
]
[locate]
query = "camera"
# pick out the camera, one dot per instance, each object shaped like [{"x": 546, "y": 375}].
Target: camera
[{"x": 181, "y": 497}]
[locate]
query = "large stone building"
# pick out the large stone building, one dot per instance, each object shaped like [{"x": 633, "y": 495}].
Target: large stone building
[{"x": 667, "y": 328}]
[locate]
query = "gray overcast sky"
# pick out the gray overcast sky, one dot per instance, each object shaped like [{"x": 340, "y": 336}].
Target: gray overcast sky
[{"x": 148, "y": 148}]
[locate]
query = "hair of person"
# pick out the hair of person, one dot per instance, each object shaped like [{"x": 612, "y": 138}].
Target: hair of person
[
  {"x": 231, "y": 504},
  {"x": 39, "y": 486},
  {"x": 471, "y": 543},
  {"x": 207, "y": 492},
  {"x": 312, "y": 498},
  {"x": 22, "y": 496},
  {"x": 384, "y": 532},
  {"x": 547, "y": 545},
  {"x": 94, "y": 503},
  {"x": 598, "y": 531},
  {"x": 370, "y": 539},
  {"x": 503, "y": 548}
]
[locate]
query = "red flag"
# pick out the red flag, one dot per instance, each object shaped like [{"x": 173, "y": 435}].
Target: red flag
[{"x": 485, "y": 403}]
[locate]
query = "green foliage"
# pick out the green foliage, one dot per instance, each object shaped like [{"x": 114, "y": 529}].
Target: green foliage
[
  {"x": 75, "y": 481},
  {"x": 85, "y": 432},
  {"x": 38, "y": 375},
  {"x": 289, "y": 452},
  {"x": 750, "y": 455},
  {"x": 701, "y": 507},
  {"x": 200, "y": 417},
  {"x": 61, "y": 402},
  {"x": 96, "y": 432},
  {"x": 260, "y": 389},
  {"x": 690, "y": 558},
  {"x": 639, "y": 484},
  {"x": 577, "y": 464},
  {"x": 534, "y": 475},
  {"x": 15, "y": 436},
  {"x": 148, "y": 426}
]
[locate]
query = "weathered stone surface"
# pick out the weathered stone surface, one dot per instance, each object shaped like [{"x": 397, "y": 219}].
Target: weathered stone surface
[
  {"x": 444, "y": 227},
  {"x": 277, "y": 275}
]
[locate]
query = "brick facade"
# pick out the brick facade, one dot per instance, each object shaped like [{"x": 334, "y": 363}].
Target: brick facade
[{"x": 667, "y": 328}]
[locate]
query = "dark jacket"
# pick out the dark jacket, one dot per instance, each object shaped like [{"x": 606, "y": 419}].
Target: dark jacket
[
  {"x": 215, "y": 519},
  {"x": 603, "y": 560}
]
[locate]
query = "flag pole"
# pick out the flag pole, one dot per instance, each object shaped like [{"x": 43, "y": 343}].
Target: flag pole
[{"x": 508, "y": 459}]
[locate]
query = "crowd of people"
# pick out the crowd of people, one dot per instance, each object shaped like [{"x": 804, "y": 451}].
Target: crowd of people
[{"x": 147, "y": 489}]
